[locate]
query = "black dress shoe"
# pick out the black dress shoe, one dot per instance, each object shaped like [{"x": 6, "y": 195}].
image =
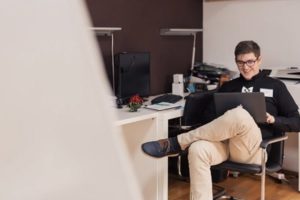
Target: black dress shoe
[{"x": 161, "y": 148}]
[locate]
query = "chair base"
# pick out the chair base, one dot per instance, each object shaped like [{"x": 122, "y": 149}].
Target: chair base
[
  {"x": 218, "y": 192},
  {"x": 224, "y": 197}
]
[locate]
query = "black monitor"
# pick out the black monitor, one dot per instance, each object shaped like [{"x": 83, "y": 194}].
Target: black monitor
[{"x": 132, "y": 75}]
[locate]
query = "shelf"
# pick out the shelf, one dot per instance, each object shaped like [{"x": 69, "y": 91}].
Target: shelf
[
  {"x": 180, "y": 31},
  {"x": 105, "y": 30}
]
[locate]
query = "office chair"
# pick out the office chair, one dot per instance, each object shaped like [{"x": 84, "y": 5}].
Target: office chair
[{"x": 194, "y": 116}]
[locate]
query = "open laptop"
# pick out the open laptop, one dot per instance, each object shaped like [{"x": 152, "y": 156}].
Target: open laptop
[{"x": 253, "y": 102}]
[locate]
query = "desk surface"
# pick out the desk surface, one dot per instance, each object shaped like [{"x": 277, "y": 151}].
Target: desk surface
[{"x": 126, "y": 117}]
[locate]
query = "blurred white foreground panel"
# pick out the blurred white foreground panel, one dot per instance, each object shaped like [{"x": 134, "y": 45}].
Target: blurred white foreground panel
[{"x": 57, "y": 140}]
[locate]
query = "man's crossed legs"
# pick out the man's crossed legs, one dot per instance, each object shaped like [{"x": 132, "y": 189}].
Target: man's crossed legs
[{"x": 234, "y": 136}]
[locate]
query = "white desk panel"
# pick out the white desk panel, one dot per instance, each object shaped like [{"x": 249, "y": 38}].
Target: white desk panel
[{"x": 143, "y": 126}]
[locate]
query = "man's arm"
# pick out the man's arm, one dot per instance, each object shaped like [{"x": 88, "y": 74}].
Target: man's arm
[{"x": 288, "y": 118}]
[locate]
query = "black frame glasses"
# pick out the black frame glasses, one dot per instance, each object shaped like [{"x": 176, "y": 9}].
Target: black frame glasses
[{"x": 249, "y": 63}]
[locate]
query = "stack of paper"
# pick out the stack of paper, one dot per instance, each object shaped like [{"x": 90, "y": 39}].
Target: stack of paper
[{"x": 163, "y": 106}]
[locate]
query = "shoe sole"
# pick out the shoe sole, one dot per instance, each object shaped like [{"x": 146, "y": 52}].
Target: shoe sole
[{"x": 169, "y": 155}]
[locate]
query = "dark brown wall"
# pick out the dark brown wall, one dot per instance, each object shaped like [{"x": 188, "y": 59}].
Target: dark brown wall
[{"x": 141, "y": 21}]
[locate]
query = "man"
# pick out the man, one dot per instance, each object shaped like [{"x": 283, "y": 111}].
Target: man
[{"x": 234, "y": 135}]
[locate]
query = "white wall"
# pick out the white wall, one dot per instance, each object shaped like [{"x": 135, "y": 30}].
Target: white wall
[
  {"x": 57, "y": 140},
  {"x": 274, "y": 24}
]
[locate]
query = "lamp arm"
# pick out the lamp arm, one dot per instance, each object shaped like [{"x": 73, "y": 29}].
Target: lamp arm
[{"x": 112, "y": 62}]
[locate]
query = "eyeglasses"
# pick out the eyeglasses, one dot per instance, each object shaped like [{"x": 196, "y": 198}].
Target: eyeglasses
[{"x": 249, "y": 63}]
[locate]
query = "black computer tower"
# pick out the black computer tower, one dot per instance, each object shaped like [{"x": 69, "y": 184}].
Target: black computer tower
[{"x": 132, "y": 72}]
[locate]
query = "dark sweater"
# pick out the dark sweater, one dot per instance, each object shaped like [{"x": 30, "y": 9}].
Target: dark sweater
[{"x": 279, "y": 102}]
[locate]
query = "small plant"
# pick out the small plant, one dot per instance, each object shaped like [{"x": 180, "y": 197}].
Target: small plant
[{"x": 135, "y": 102}]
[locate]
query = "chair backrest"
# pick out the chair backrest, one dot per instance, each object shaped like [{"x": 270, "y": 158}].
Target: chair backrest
[{"x": 196, "y": 108}]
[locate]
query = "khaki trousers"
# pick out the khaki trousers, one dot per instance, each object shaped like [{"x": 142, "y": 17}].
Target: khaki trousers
[{"x": 234, "y": 136}]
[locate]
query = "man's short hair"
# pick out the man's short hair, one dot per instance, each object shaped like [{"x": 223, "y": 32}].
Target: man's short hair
[{"x": 247, "y": 46}]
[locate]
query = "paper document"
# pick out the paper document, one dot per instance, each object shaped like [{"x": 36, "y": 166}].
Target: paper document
[{"x": 162, "y": 106}]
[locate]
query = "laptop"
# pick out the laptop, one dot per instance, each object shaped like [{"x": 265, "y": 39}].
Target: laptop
[{"x": 253, "y": 102}]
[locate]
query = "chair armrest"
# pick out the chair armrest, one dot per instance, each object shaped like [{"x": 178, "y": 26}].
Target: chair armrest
[{"x": 266, "y": 142}]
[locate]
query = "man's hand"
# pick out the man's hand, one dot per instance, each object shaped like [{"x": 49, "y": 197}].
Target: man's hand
[{"x": 270, "y": 118}]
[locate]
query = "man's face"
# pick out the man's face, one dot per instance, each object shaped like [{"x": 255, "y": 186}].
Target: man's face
[{"x": 248, "y": 65}]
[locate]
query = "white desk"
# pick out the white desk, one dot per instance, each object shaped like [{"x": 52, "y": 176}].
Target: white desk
[{"x": 143, "y": 126}]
